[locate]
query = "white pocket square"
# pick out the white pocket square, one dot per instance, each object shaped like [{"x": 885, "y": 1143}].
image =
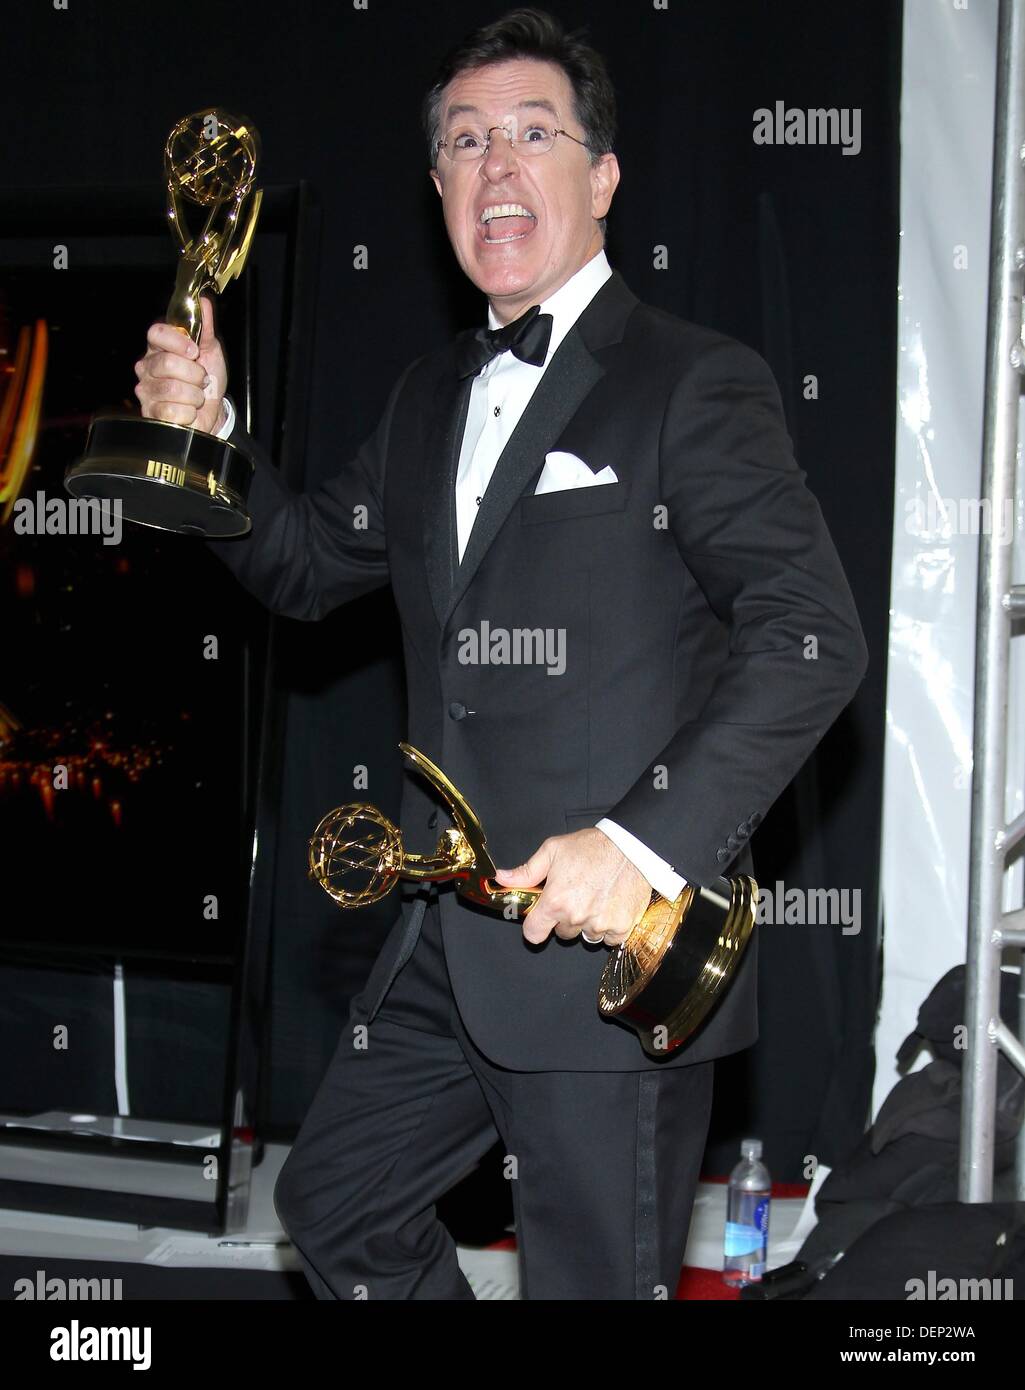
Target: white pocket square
[{"x": 563, "y": 471}]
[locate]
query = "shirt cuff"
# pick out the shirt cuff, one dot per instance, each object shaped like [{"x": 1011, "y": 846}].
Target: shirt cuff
[
  {"x": 662, "y": 876},
  {"x": 229, "y": 423}
]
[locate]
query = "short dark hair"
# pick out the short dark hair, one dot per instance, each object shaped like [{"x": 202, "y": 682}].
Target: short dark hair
[{"x": 533, "y": 33}]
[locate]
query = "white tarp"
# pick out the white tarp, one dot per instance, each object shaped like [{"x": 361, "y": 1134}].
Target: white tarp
[{"x": 949, "y": 74}]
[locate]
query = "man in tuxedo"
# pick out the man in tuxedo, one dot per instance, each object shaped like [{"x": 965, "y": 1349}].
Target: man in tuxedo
[{"x": 601, "y": 475}]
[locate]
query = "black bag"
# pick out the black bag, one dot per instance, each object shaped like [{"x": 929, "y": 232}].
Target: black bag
[
  {"x": 947, "y": 1250},
  {"x": 907, "y": 1165}
]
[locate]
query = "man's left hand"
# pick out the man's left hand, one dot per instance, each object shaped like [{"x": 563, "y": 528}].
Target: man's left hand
[{"x": 590, "y": 887}]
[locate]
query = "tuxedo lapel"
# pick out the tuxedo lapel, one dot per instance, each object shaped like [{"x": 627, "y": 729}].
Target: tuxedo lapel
[
  {"x": 570, "y": 376},
  {"x": 567, "y": 379}
]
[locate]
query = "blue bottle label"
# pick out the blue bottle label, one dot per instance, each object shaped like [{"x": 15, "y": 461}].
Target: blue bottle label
[
  {"x": 742, "y": 1239},
  {"x": 750, "y": 1236}
]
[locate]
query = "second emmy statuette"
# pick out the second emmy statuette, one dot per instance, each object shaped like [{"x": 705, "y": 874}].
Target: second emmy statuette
[{"x": 678, "y": 960}]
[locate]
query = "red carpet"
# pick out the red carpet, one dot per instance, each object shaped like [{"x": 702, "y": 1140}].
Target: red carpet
[
  {"x": 779, "y": 1189},
  {"x": 698, "y": 1284},
  {"x": 703, "y": 1283}
]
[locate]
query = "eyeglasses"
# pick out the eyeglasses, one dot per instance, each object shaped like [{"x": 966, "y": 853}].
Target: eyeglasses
[{"x": 464, "y": 143}]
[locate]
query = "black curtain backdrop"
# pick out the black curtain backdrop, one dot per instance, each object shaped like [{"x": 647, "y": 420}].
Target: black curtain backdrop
[{"x": 791, "y": 249}]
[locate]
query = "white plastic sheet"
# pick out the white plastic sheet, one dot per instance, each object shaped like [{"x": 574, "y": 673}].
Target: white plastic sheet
[{"x": 949, "y": 66}]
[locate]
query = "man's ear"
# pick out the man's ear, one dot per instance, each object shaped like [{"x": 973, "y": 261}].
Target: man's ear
[
  {"x": 604, "y": 182},
  {"x": 435, "y": 180}
]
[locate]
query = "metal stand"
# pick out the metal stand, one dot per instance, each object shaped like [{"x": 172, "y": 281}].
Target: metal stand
[{"x": 990, "y": 929}]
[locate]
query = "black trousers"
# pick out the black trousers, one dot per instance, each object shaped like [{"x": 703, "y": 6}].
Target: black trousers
[{"x": 603, "y": 1165}]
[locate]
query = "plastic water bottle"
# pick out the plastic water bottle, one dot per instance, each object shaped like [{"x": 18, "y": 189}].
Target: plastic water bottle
[{"x": 747, "y": 1217}]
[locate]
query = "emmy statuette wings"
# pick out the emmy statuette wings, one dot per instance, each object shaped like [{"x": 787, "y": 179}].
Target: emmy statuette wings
[
  {"x": 676, "y": 963},
  {"x": 169, "y": 476}
]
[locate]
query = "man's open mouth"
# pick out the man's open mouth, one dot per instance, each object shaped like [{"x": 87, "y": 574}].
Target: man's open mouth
[{"x": 506, "y": 222}]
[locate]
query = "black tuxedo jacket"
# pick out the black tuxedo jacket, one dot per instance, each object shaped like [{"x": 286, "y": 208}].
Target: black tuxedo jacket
[{"x": 710, "y": 638}]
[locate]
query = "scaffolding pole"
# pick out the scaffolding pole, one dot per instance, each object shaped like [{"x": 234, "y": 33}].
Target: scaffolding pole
[{"x": 999, "y": 603}]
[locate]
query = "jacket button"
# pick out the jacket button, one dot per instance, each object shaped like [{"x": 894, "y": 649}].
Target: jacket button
[
  {"x": 722, "y": 855},
  {"x": 456, "y": 710},
  {"x": 432, "y": 820}
]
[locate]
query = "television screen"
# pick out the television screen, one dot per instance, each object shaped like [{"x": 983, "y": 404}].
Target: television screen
[{"x": 122, "y": 676}]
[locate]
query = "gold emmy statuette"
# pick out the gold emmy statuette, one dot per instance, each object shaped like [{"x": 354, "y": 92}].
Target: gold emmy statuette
[
  {"x": 662, "y": 981},
  {"x": 168, "y": 476}
]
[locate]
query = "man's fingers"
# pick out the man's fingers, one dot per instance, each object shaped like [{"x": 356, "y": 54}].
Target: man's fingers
[
  {"x": 550, "y": 913},
  {"x": 540, "y": 922},
  {"x": 164, "y": 366},
  {"x": 589, "y": 887},
  {"x": 620, "y": 921},
  {"x": 531, "y": 873},
  {"x": 181, "y": 392},
  {"x": 615, "y": 936},
  {"x": 208, "y": 335},
  {"x": 174, "y": 385},
  {"x": 163, "y": 337},
  {"x": 170, "y": 388},
  {"x": 566, "y": 930},
  {"x": 173, "y": 414}
]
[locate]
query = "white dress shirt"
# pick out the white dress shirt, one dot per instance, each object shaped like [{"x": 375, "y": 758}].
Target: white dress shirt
[
  {"x": 498, "y": 397},
  {"x": 503, "y": 388}
]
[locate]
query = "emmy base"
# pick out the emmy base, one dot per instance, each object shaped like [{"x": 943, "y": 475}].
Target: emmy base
[{"x": 165, "y": 476}]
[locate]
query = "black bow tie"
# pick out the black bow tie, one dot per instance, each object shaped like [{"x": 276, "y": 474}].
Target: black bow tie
[{"x": 526, "y": 337}]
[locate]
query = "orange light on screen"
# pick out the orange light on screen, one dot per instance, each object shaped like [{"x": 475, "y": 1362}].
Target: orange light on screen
[{"x": 20, "y": 411}]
